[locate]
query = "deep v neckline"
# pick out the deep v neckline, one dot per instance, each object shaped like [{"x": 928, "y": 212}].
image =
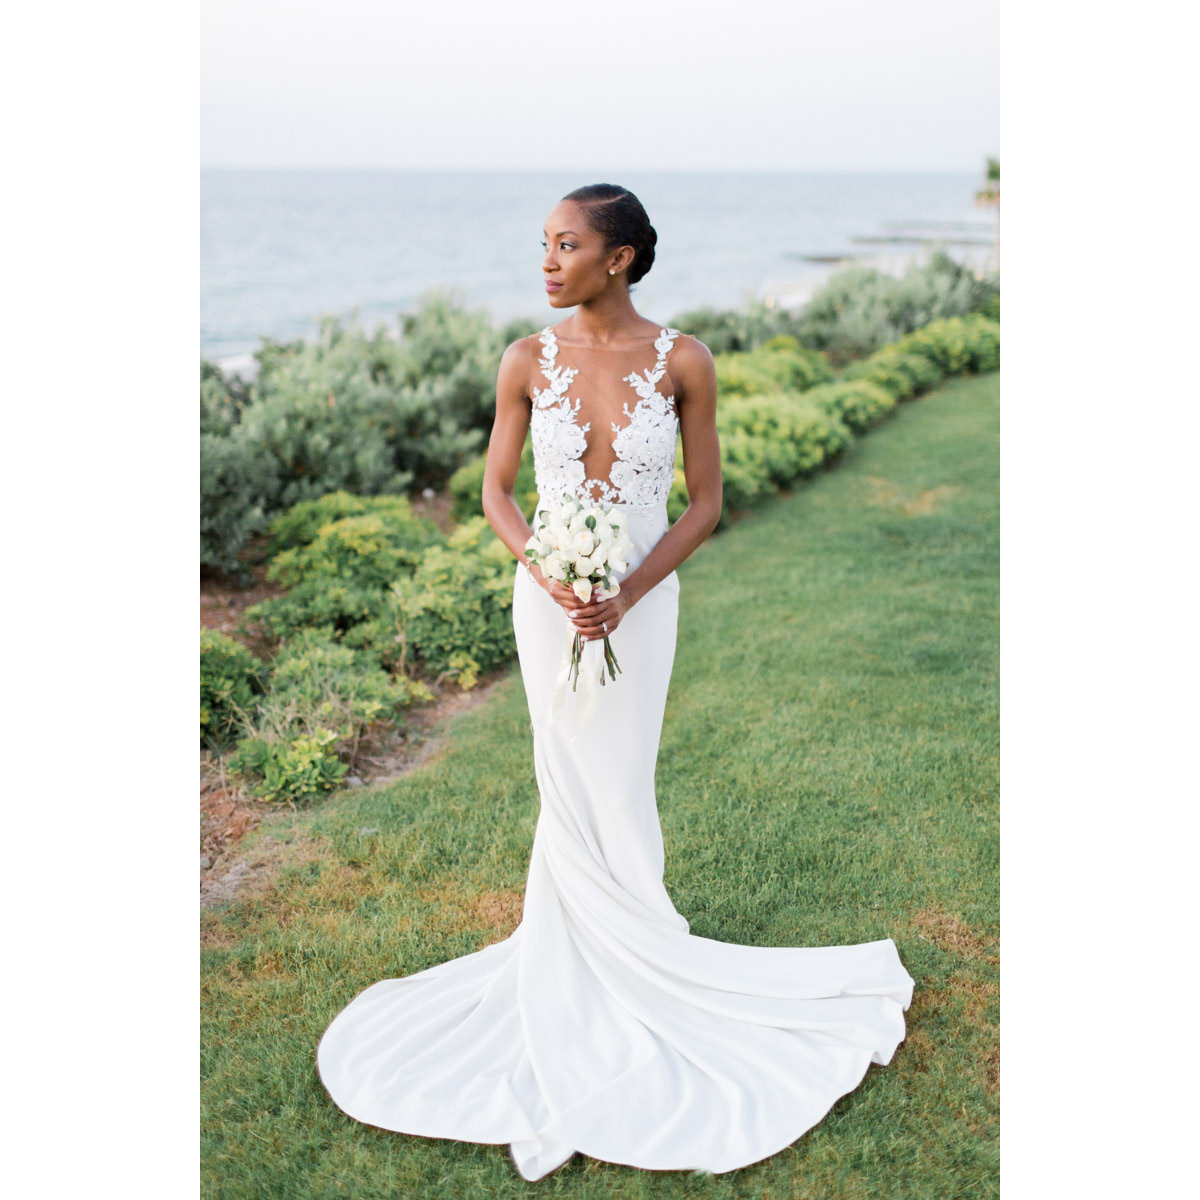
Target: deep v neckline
[{"x": 643, "y": 447}]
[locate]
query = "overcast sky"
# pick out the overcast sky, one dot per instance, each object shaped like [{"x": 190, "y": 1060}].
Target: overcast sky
[{"x": 841, "y": 84}]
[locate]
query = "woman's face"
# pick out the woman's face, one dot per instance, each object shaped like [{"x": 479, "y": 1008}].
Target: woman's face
[{"x": 576, "y": 264}]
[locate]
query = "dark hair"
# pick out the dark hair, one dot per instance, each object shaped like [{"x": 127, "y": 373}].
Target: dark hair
[{"x": 618, "y": 216}]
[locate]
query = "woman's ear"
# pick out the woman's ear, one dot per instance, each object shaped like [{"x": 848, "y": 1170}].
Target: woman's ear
[{"x": 621, "y": 260}]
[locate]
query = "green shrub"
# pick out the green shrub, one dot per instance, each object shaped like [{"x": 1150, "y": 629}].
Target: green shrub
[
  {"x": 322, "y": 700},
  {"x": 970, "y": 343},
  {"x": 317, "y": 683},
  {"x": 850, "y": 315},
  {"x": 466, "y": 486},
  {"x": 859, "y": 309},
  {"x": 455, "y": 611},
  {"x": 230, "y": 679},
  {"x": 793, "y": 368},
  {"x": 236, "y": 489},
  {"x": 743, "y": 374},
  {"x": 340, "y": 578},
  {"x": 859, "y": 404},
  {"x": 944, "y": 342},
  {"x": 983, "y": 342},
  {"x": 796, "y": 436},
  {"x": 222, "y": 401},
  {"x": 903, "y": 375},
  {"x": 727, "y": 330},
  {"x": 301, "y": 523},
  {"x": 369, "y": 550},
  {"x": 454, "y": 352},
  {"x": 745, "y": 474},
  {"x": 301, "y": 768}
]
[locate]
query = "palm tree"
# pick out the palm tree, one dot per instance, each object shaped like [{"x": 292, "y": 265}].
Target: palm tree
[{"x": 988, "y": 196}]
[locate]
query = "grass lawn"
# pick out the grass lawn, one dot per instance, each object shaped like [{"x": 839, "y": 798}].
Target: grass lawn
[{"x": 828, "y": 774}]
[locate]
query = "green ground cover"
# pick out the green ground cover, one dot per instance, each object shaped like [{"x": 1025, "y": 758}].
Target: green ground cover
[{"x": 828, "y": 774}]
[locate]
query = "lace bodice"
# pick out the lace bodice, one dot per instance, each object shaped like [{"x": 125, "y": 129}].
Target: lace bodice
[{"x": 643, "y": 447}]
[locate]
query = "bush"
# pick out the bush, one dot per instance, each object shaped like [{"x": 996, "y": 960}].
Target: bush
[
  {"x": 983, "y": 341},
  {"x": 322, "y": 700},
  {"x": 371, "y": 414},
  {"x": 796, "y": 436},
  {"x": 222, "y": 401},
  {"x": 860, "y": 309},
  {"x": 340, "y": 578},
  {"x": 230, "y": 679},
  {"x": 746, "y": 478},
  {"x": 456, "y": 349},
  {"x": 236, "y": 489},
  {"x": 369, "y": 550},
  {"x": 455, "y": 610},
  {"x": 301, "y": 768},
  {"x": 793, "y": 368},
  {"x": 466, "y": 486},
  {"x": 724, "y": 331},
  {"x": 301, "y": 523},
  {"x": 859, "y": 404},
  {"x": 903, "y": 375},
  {"x": 957, "y": 344}
]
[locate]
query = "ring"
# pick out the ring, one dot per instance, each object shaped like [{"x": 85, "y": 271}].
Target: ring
[{"x": 604, "y": 626}]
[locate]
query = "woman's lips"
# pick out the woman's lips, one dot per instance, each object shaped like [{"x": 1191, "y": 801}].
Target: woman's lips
[{"x": 551, "y": 286}]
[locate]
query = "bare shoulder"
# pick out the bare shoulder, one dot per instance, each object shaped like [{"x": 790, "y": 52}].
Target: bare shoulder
[
  {"x": 691, "y": 367},
  {"x": 690, "y": 351},
  {"x": 522, "y": 352}
]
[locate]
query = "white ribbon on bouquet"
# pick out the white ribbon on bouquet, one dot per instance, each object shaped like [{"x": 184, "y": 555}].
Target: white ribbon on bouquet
[{"x": 591, "y": 669}]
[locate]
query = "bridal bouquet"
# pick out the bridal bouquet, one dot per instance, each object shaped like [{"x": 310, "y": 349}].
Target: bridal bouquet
[{"x": 581, "y": 545}]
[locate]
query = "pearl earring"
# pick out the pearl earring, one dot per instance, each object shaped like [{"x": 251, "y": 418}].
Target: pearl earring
[{"x": 611, "y": 271}]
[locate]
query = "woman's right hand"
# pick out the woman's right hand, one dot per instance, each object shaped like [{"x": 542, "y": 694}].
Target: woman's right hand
[{"x": 562, "y": 595}]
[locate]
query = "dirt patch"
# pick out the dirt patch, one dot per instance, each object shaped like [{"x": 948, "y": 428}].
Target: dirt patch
[
  {"x": 228, "y": 813},
  {"x": 496, "y": 913},
  {"x": 885, "y": 494},
  {"x": 967, "y": 999},
  {"x": 949, "y": 932},
  {"x": 223, "y": 605},
  {"x": 435, "y": 507}
]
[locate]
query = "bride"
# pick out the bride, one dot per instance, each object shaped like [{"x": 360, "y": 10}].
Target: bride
[{"x": 601, "y": 1025}]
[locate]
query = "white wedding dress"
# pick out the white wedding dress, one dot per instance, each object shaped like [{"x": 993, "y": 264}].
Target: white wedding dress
[{"x": 601, "y": 1025}]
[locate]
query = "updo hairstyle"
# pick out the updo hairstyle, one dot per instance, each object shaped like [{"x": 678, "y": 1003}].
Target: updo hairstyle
[{"x": 618, "y": 216}]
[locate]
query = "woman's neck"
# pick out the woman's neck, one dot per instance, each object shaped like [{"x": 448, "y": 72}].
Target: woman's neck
[{"x": 608, "y": 319}]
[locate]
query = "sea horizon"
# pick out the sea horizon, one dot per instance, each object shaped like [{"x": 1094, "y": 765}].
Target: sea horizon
[{"x": 282, "y": 246}]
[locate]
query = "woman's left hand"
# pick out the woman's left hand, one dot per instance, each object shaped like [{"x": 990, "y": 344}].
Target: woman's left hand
[{"x": 599, "y": 618}]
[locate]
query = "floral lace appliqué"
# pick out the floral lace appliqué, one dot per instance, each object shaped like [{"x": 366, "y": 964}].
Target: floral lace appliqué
[{"x": 644, "y": 448}]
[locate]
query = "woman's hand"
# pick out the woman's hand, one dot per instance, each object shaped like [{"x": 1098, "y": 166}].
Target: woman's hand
[
  {"x": 594, "y": 620},
  {"x": 600, "y": 617}
]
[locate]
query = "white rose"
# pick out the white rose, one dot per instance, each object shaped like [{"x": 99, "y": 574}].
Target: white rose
[
  {"x": 583, "y": 589},
  {"x": 583, "y": 543},
  {"x": 604, "y": 534},
  {"x": 555, "y": 566},
  {"x": 583, "y": 565}
]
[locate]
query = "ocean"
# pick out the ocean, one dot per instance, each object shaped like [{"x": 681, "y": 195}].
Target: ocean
[{"x": 279, "y": 248}]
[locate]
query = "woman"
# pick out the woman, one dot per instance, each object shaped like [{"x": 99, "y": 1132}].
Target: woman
[{"x": 602, "y": 1025}]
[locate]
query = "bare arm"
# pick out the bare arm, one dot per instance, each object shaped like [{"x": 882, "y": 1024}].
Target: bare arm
[
  {"x": 509, "y": 430},
  {"x": 695, "y": 382}
]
